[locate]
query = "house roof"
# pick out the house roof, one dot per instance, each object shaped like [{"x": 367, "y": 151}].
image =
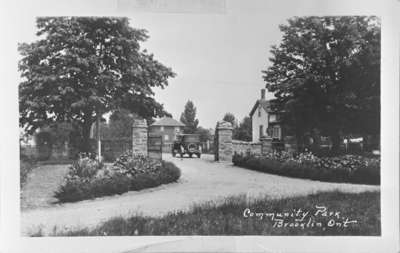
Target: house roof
[
  {"x": 265, "y": 104},
  {"x": 166, "y": 121}
]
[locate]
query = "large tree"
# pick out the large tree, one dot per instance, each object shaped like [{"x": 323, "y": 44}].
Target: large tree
[
  {"x": 204, "y": 133},
  {"x": 188, "y": 117},
  {"x": 325, "y": 75},
  {"x": 80, "y": 68},
  {"x": 119, "y": 125},
  {"x": 243, "y": 131}
]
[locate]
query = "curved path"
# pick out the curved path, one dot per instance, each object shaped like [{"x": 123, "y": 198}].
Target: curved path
[{"x": 202, "y": 180}]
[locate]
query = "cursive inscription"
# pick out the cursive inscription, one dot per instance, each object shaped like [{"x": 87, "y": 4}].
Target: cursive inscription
[{"x": 318, "y": 217}]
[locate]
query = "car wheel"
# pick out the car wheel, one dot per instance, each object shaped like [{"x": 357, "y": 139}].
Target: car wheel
[
  {"x": 190, "y": 155},
  {"x": 198, "y": 155},
  {"x": 181, "y": 155},
  {"x": 173, "y": 154}
]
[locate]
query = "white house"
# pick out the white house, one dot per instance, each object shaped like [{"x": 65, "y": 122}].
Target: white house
[{"x": 265, "y": 121}]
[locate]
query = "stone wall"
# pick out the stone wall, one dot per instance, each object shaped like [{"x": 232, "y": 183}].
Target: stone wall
[
  {"x": 244, "y": 147},
  {"x": 225, "y": 147}
]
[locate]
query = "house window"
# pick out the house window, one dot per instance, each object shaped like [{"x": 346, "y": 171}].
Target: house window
[
  {"x": 166, "y": 137},
  {"x": 261, "y": 131},
  {"x": 177, "y": 130},
  {"x": 276, "y": 132},
  {"x": 259, "y": 111},
  {"x": 162, "y": 128}
]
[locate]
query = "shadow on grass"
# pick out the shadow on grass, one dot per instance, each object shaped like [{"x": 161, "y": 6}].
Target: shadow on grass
[{"x": 360, "y": 210}]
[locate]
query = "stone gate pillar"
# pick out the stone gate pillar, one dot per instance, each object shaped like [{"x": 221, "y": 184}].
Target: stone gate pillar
[
  {"x": 223, "y": 145},
  {"x": 139, "y": 137}
]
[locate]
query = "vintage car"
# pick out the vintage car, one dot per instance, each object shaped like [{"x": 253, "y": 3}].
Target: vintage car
[{"x": 187, "y": 144}]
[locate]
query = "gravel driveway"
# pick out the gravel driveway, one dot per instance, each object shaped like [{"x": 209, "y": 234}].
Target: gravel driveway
[{"x": 202, "y": 180}]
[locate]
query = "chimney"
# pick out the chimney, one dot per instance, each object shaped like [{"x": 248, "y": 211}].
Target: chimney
[{"x": 262, "y": 93}]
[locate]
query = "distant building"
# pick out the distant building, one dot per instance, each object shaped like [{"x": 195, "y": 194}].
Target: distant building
[
  {"x": 168, "y": 128},
  {"x": 265, "y": 121}
]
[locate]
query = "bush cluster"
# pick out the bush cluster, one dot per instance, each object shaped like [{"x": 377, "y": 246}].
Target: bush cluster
[
  {"x": 346, "y": 168},
  {"x": 87, "y": 178}
]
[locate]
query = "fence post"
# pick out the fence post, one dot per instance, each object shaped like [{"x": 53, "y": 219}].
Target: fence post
[
  {"x": 139, "y": 137},
  {"x": 223, "y": 145}
]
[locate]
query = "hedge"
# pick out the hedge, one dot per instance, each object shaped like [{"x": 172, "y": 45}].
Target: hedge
[
  {"x": 88, "y": 178},
  {"x": 348, "y": 168}
]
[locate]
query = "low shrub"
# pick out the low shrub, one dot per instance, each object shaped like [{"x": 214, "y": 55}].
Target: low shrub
[
  {"x": 346, "y": 168},
  {"x": 87, "y": 178}
]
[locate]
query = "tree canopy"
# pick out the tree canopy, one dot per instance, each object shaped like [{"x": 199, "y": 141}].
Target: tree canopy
[
  {"x": 325, "y": 74},
  {"x": 80, "y": 68},
  {"x": 204, "y": 133},
  {"x": 118, "y": 126},
  {"x": 229, "y": 117},
  {"x": 243, "y": 131},
  {"x": 188, "y": 117}
]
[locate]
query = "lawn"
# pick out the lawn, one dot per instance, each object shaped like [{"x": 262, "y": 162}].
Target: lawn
[
  {"x": 41, "y": 183},
  {"x": 325, "y": 213}
]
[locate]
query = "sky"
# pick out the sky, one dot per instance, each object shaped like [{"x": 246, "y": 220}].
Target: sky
[{"x": 218, "y": 57}]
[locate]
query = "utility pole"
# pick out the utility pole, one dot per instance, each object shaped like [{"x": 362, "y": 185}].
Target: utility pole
[{"x": 98, "y": 137}]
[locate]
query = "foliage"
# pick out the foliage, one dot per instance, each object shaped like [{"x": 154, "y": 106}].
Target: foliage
[
  {"x": 113, "y": 148},
  {"x": 205, "y": 134},
  {"x": 347, "y": 168},
  {"x": 244, "y": 131},
  {"x": 119, "y": 125},
  {"x": 130, "y": 164},
  {"x": 87, "y": 178},
  {"x": 325, "y": 74},
  {"x": 229, "y": 117},
  {"x": 188, "y": 117},
  {"x": 55, "y": 136},
  {"x": 227, "y": 218},
  {"x": 44, "y": 144},
  {"x": 83, "y": 67}
]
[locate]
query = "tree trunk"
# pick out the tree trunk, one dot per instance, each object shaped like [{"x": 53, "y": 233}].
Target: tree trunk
[{"x": 85, "y": 144}]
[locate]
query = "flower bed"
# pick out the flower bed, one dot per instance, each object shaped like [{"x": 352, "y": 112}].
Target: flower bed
[
  {"x": 88, "y": 178},
  {"x": 346, "y": 168}
]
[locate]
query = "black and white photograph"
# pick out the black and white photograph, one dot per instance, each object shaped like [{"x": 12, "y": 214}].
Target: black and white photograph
[{"x": 216, "y": 118}]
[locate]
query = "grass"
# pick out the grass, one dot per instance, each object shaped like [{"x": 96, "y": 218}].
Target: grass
[
  {"x": 39, "y": 188},
  {"x": 228, "y": 219},
  {"x": 24, "y": 169}
]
